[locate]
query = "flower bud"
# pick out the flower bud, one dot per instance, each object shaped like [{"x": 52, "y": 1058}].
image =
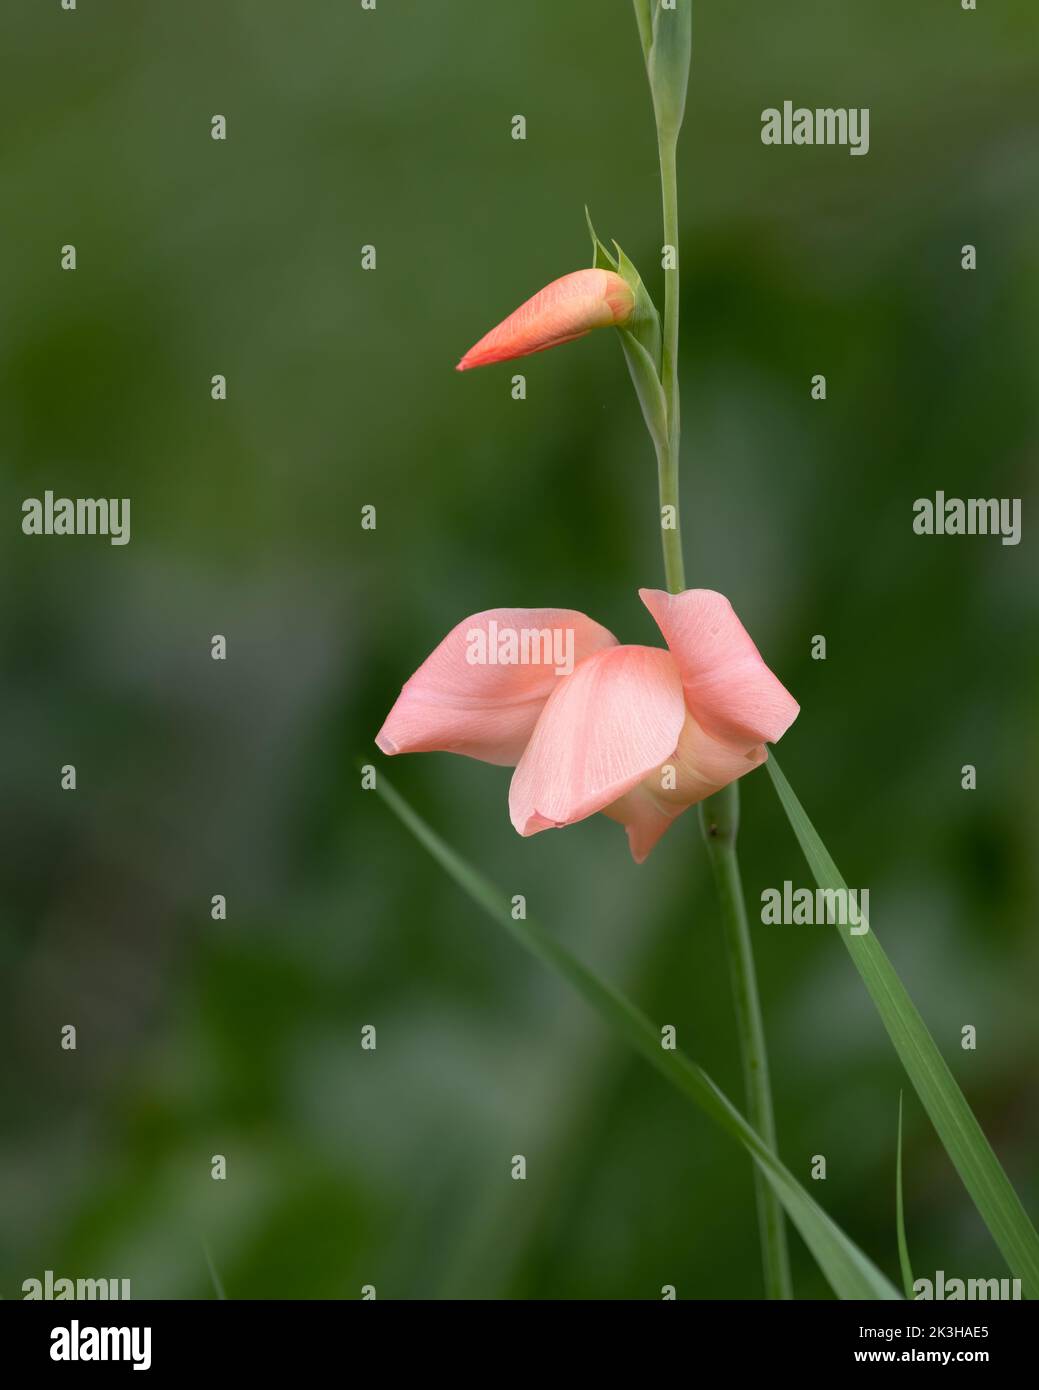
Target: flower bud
[{"x": 568, "y": 308}]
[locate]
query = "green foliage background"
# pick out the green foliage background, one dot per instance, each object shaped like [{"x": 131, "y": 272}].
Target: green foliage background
[{"x": 195, "y": 778}]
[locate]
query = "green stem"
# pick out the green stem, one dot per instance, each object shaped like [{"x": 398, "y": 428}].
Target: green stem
[
  {"x": 667, "y": 458},
  {"x": 719, "y": 821},
  {"x": 719, "y": 815}
]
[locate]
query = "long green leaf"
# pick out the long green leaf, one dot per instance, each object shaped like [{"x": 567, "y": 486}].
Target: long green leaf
[
  {"x": 850, "y": 1273},
  {"x": 900, "y": 1215},
  {"x": 952, "y": 1117}
]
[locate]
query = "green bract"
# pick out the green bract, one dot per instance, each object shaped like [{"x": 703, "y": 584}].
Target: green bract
[
  {"x": 640, "y": 338},
  {"x": 666, "y": 31}
]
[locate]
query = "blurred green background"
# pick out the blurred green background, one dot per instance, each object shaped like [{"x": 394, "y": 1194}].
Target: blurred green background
[{"x": 195, "y": 777}]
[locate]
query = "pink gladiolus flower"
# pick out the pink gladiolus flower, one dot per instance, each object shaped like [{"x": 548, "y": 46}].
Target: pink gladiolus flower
[
  {"x": 639, "y": 733},
  {"x": 568, "y": 308}
]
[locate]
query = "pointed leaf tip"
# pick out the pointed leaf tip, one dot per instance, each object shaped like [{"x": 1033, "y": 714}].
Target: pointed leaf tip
[{"x": 601, "y": 258}]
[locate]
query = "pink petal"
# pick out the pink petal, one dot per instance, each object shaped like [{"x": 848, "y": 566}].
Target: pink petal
[
  {"x": 728, "y": 687},
  {"x": 700, "y": 766},
  {"x": 644, "y": 818},
  {"x": 488, "y": 711},
  {"x": 603, "y": 730},
  {"x": 566, "y": 309}
]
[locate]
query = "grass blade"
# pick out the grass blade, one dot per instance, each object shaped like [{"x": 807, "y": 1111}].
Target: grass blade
[
  {"x": 958, "y": 1129},
  {"x": 850, "y": 1273},
  {"x": 900, "y": 1215},
  {"x": 217, "y": 1281}
]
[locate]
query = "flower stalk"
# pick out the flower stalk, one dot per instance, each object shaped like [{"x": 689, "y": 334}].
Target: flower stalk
[{"x": 666, "y": 44}]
